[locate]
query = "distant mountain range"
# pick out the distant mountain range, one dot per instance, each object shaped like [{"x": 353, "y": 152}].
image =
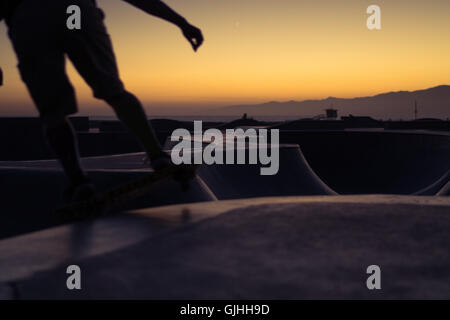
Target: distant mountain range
[{"x": 432, "y": 103}]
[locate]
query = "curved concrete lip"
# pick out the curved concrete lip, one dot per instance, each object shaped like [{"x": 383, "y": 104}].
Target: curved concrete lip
[
  {"x": 128, "y": 161},
  {"x": 99, "y": 243},
  {"x": 182, "y": 213}
]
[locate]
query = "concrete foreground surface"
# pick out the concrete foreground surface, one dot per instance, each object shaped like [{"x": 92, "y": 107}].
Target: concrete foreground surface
[{"x": 301, "y": 247}]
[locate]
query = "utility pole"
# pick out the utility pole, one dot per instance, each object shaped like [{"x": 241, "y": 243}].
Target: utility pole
[{"x": 415, "y": 110}]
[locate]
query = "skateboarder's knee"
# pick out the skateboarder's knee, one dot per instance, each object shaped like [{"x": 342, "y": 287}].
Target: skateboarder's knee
[
  {"x": 113, "y": 100},
  {"x": 118, "y": 97},
  {"x": 124, "y": 100}
]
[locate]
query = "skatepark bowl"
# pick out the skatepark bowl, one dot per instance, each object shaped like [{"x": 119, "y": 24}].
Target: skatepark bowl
[
  {"x": 375, "y": 162},
  {"x": 341, "y": 201}
]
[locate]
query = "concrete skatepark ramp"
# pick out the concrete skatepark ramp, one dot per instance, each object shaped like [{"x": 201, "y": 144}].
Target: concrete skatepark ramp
[
  {"x": 374, "y": 162},
  {"x": 28, "y": 206},
  {"x": 295, "y": 177},
  {"x": 174, "y": 245},
  {"x": 439, "y": 188},
  {"x": 445, "y": 191},
  {"x": 32, "y": 191},
  {"x": 263, "y": 248}
]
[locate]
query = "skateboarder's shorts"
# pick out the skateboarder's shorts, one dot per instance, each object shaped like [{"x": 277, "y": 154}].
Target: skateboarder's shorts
[{"x": 41, "y": 40}]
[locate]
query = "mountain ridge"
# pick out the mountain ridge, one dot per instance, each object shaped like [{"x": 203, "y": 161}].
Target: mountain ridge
[{"x": 432, "y": 102}]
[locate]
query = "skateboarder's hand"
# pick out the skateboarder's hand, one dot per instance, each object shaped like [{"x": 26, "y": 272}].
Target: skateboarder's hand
[{"x": 193, "y": 35}]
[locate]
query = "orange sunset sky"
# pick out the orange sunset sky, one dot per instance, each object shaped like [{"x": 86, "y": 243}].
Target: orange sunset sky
[{"x": 261, "y": 50}]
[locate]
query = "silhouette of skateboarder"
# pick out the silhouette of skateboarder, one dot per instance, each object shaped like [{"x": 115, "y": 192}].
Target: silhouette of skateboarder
[{"x": 41, "y": 39}]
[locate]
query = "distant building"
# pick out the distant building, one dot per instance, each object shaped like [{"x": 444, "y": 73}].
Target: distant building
[{"x": 331, "y": 113}]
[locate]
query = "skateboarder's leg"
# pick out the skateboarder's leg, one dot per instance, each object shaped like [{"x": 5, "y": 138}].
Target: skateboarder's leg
[
  {"x": 37, "y": 44},
  {"x": 91, "y": 51},
  {"x": 129, "y": 110},
  {"x": 62, "y": 139}
]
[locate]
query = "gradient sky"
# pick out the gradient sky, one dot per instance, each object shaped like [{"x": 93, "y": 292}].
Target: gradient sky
[{"x": 260, "y": 50}]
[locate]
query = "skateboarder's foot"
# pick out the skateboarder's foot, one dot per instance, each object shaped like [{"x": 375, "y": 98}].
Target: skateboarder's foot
[
  {"x": 161, "y": 161},
  {"x": 80, "y": 192}
]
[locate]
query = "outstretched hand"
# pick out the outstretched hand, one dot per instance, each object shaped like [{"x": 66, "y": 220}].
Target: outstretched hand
[{"x": 193, "y": 35}]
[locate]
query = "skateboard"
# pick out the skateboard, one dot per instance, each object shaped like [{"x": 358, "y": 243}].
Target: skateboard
[{"x": 104, "y": 202}]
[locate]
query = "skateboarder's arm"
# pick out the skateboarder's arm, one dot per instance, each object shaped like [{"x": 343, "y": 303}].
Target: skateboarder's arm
[{"x": 160, "y": 9}]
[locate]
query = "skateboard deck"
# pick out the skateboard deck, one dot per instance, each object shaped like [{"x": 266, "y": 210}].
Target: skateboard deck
[{"x": 104, "y": 202}]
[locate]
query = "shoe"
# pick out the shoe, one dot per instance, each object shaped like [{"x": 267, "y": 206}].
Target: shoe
[{"x": 81, "y": 192}]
